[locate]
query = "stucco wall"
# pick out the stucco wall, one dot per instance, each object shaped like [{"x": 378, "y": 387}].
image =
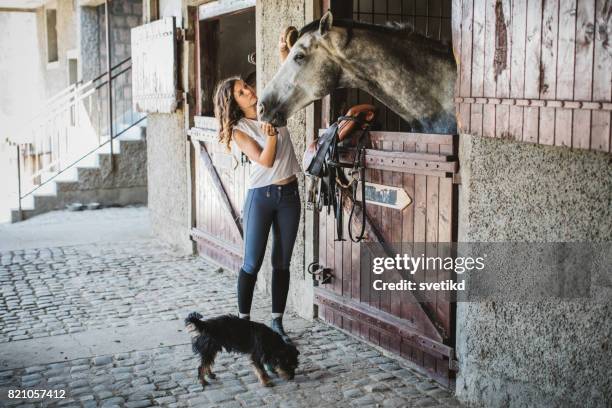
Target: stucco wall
[
  {"x": 21, "y": 84},
  {"x": 541, "y": 353},
  {"x": 56, "y": 74},
  {"x": 272, "y": 18},
  {"x": 20, "y": 92},
  {"x": 168, "y": 179}
]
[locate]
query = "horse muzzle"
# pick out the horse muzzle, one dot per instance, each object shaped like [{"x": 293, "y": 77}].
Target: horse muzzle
[{"x": 275, "y": 118}]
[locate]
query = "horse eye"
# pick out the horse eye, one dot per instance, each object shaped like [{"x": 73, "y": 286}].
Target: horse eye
[{"x": 298, "y": 57}]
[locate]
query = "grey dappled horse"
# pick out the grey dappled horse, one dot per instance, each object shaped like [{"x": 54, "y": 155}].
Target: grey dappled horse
[{"x": 411, "y": 74}]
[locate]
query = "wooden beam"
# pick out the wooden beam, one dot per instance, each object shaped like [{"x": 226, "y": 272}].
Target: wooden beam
[
  {"x": 219, "y": 186},
  {"x": 91, "y": 3},
  {"x": 219, "y": 8},
  {"x": 223, "y": 246},
  {"x": 383, "y": 321},
  {"x": 208, "y": 45},
  {"x": 16, "y": 10}
]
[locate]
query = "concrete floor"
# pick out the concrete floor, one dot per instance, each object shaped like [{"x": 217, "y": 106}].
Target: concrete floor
[{"x": 64, "y": 228}]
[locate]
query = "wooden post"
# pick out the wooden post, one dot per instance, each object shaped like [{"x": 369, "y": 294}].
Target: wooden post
[
  {"x": 195, "y": 21},
  {"x": 150, "y": 10},
  {"x": 109, "y": 81},
  {"x": 19, "y": 182}
]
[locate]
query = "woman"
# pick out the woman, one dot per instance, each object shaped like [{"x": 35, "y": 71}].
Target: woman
[{"x": 273, "y": 200}]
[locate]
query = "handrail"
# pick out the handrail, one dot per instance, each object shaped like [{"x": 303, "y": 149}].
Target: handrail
[
  {"x": 113, "y": 77},
  {"x": 114, "y": 66},
  {"x": 21, "y": 197},
  {"x": 78, "y": 107},
  {"x": 62, "y": 100},
  {"x": 59, "y": 109},
  {"x": 60, "y": 93}
]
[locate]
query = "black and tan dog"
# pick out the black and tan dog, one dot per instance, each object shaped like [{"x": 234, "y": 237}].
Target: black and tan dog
[{"x": 233, "y": 334}]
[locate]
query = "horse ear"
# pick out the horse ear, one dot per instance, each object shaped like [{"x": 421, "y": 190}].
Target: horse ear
[{"x": 325, "y": 24}]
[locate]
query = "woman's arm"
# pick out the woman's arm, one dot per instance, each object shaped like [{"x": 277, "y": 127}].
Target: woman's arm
[{"x": 264, "y": 157}]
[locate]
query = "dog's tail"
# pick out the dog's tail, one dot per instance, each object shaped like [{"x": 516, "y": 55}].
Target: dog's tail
[{"x": 194, "y": 325}]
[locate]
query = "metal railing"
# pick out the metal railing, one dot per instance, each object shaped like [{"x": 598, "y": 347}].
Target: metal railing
[{"x": 74, "y": 124}]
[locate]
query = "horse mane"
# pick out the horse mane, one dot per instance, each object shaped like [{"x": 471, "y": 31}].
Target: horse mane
[
  {"x": 345, "y": 23},
  {"x": 390, "y": 27}
]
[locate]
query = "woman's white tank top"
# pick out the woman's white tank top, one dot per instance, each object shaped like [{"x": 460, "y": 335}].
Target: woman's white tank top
[{"x": 285, "y": 163}]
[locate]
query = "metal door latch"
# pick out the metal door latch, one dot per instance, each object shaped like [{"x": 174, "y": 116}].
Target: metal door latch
[{"x": 320, "y": 274}]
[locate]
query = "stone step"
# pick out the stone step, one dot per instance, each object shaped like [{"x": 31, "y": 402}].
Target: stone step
[{"x": 92, "y": 179}]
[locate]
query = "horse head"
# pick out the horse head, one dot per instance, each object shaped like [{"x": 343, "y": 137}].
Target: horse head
[
  {"x": 310, "y": 72},
  {"x": 409, "y": 73}
]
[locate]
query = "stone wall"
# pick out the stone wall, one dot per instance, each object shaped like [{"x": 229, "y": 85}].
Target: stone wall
[
  {"x": 89, "y": 41},
  {"x": 124, "y": 15},
  {"x": 541, "y": 353}
]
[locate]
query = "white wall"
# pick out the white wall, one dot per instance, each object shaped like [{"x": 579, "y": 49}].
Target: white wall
[{"x": 20, "y": 92}]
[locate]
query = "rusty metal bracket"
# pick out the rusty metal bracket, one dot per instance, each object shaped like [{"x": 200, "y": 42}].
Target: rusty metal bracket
[{"x": 453, "y": 365}]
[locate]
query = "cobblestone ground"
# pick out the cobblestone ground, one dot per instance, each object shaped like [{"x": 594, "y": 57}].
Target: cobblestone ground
[{"x": 51, "y": 292}]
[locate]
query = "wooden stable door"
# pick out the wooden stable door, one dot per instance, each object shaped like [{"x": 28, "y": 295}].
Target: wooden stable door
[
  {"x": 219, "y": 185},
  {"x": 423, "y": 165},
  {"x": 536, "y": 72},
  {"x": 219, "y": 194}
]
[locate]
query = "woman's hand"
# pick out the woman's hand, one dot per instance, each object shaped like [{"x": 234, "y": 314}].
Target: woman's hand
[
  {"x": 268, "y": 129},
  {"x": 283, "y": 48},
  {"x": 253, "y": 150}
]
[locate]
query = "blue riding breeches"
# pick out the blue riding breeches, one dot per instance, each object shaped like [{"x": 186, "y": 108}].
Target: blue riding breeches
[{"x": 277, "y": 207}]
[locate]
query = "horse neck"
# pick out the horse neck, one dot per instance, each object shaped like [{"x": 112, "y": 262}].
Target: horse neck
[{"x": 396, "y": 68}]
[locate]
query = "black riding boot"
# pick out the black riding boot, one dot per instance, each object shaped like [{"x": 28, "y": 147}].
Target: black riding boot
[{"x": 277, "y": 326}]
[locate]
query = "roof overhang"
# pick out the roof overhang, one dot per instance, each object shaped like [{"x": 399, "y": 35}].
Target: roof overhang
[
  {"x": 32, "y": 5},
  {"x": 20, "y": 5}
]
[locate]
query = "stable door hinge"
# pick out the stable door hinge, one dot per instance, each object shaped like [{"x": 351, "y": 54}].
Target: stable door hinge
[
  {"x": 188, "y": 98},
  {"x": 457, "y": 178},
  {"x": 453, "y": 365},
  {"x": 185, "y": 35}
]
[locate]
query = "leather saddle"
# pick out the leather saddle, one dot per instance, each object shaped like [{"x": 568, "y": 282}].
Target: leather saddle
[
  {"x": 321, "y": 162},
  {"x": 359, "y": 116}
]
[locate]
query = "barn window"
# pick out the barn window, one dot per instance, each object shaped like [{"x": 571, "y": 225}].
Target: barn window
[
  {"x": 51, "y": 23},
  {"x": 431, "y": 18}
]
